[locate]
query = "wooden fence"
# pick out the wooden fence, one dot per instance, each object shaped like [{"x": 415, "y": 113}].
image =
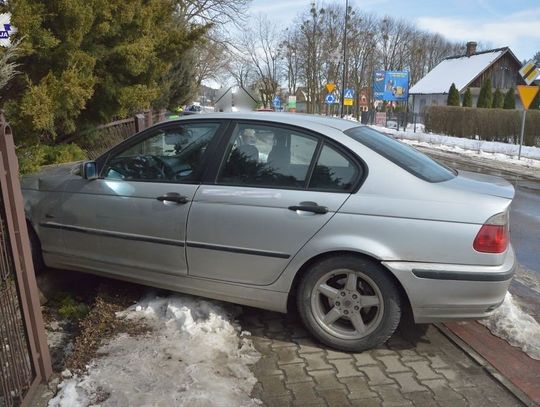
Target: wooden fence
[
  {"x": 24, "y": 355},
  {"x": 98, "y": 140}
]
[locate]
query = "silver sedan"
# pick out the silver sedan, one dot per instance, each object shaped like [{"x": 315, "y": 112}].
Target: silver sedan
[{"x": 278, "y": 210}]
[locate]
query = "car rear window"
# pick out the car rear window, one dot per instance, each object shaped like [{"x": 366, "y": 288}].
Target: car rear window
[{"x": 401, "y": 154}]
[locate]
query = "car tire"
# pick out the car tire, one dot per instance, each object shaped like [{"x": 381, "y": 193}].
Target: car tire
[
  {"x": 35, "y": 246},
  {"x": 349, "y": 303}
]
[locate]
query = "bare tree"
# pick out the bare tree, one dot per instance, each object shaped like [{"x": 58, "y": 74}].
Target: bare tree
[
  {"x": 309, "y": 55},
  {"x": 240, "y": 68},
  {"x": 210, "y": 59},
  {"x": 362, "y": 51},
  {"x": 213, "y": 12},
  {"x": 291, "y": 56},
  {"x": 261, "y": 46},
  {"x": 310, "y": 50}
]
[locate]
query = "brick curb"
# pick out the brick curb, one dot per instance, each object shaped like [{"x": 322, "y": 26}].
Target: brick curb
[{"x": 490, "y": 369}]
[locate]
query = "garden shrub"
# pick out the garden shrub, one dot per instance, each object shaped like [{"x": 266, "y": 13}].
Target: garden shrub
[{"x": 488, "y": 124}]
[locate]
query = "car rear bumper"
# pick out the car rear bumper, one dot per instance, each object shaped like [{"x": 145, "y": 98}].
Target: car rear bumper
[{"x": 441, "y": 292}]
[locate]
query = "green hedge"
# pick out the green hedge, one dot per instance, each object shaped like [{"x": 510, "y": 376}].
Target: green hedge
[
  {"x": 32, "y": 158},
  {"x": 488, "y": 124}
]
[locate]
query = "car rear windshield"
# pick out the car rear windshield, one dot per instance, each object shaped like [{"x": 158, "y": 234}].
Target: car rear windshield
[{"x": 401, "y": 154}]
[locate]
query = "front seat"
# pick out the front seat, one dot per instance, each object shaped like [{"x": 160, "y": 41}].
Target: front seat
[
  {"x": 280, "y": 155},
  {"x": 250, "y": 152}
]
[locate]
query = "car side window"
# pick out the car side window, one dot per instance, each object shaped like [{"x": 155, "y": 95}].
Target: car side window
[
  {"x": 333, "y": 171},
  {"x": 268, "y": 156},
  {"x": 170, "y": 154}
]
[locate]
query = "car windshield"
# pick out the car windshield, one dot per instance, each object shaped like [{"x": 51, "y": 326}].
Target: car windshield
[{"x": 401, "y": 154}]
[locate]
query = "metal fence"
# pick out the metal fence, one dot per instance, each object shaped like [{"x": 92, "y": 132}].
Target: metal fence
[
  {"x": 393, "y": 120},
  {"x": 24, "y": 355}
]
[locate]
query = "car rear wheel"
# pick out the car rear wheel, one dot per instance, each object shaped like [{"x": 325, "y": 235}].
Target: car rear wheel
[{"x": 349, "y": 303}]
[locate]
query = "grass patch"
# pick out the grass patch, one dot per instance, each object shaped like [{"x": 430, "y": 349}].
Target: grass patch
[{"x": 72, "y": 310}]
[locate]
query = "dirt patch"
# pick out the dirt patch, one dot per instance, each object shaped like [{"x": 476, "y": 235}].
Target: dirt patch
[{"x": 102, "y": 323}]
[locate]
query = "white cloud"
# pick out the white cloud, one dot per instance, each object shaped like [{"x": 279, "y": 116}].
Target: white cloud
[{"x": 520, "y": 31}]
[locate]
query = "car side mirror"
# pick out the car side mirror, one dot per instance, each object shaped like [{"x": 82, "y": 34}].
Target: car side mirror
[{"x": 89, "y": 170}]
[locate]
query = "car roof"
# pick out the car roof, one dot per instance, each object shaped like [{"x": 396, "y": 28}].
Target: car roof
[{"x": 298, "y": 119}]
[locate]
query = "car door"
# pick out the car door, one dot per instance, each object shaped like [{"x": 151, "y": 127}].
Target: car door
[
  {"x": 133, "y": 218},
  {"x": 277, "y": 186}
]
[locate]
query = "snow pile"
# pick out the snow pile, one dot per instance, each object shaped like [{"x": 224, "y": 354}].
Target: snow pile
[
  {"x": 196, "y": 356},
  {"x": 516, "y": 327},
  {"x": 530, "y": 156}
]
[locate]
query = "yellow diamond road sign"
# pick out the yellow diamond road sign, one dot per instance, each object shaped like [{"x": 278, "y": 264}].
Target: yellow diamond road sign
[
  {"x": 527, "y": 94},
  {"x": 529, "y": 72},
  {"x": 531, "y": 76},
  {"x": 330, "y": 87}
]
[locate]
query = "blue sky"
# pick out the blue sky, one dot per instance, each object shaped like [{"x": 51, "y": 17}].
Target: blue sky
[{"x": 510, "y": 23}]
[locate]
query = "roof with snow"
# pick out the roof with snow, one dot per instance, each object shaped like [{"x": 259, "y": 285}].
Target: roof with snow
[{"x": 460, "y": 70}]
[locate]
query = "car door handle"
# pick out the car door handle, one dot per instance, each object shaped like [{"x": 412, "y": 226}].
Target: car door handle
[
  {"x": 173, "y": 197},
  {"x": 309, "y": 207}
]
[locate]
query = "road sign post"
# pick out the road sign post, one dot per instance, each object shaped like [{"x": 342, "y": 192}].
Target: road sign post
[
  {"x": 522, "y": 132},
  {"x": 527, "y": 95}
]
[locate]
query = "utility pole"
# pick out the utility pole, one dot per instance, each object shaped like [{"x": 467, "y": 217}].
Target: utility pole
[{"x": 344, "y": 81}]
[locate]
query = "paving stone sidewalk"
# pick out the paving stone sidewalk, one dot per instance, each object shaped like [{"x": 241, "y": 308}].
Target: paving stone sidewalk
[{"x": 418, "y": 367}]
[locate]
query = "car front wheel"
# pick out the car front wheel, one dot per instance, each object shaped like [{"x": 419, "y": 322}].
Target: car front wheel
[{"x": 349, "y": 303}]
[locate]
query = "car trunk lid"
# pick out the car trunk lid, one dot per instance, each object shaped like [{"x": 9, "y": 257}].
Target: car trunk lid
[{"x": 482, "y": 184}]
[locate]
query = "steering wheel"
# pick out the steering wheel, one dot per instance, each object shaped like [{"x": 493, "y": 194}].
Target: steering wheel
[
  {"x": 165, "y": 170},
  {"x": 143, "y": 167}
]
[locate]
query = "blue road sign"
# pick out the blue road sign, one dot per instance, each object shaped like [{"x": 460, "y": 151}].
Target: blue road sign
[
  {"x": 330, "y": 99},
  {"x": 276, "y": 102},
  {"x": 349, "y": 94}
]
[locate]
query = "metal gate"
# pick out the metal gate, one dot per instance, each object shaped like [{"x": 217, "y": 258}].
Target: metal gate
[{"x": 24, "y": 356}]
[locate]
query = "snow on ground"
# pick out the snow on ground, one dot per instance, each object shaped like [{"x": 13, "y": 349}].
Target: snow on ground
[
  {"x": 515, "y": 326},
  {"x": 530, "y": 156},
  {"x": 196, "y": 355}
]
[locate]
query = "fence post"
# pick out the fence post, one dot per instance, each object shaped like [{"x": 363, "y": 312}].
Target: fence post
[
  {"x": 161, "y": 116},
  {"x": 16, "y": 222},
  {"x": 148, "y": 118},
  {"x": 140, "y": 122}
]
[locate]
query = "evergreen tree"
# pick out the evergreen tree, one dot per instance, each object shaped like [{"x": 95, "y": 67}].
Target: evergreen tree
[
  {"x": 510, "y": 99},
  {"x": 89, "y": 61},
  {"x": 498, "y": 99},
  {"x": 536, "y": 57},
  {"x": 485, "y": 98},
  {"x": 453, "y": 96},
  {"x": 467, "y": 98},
  {"x": 481, "y": 102}
]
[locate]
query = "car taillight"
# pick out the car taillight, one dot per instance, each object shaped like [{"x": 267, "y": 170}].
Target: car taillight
[{"x": 493, "y": 235}]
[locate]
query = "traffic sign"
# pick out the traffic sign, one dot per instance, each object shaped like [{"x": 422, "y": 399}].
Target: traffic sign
[
  {"x": 348, "y": 94},
  {"x": 348, "y": 102},
  {"x": 292, "y": 102},
  {"x": 530, "y": 78},
  {"x": 529, "y": 72},
  {"x": 330, "y": 99},
  {"x": 527, "y": 94},
  {"x": 330, "y": 87},
  {"x": 276, "y": 102}
]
